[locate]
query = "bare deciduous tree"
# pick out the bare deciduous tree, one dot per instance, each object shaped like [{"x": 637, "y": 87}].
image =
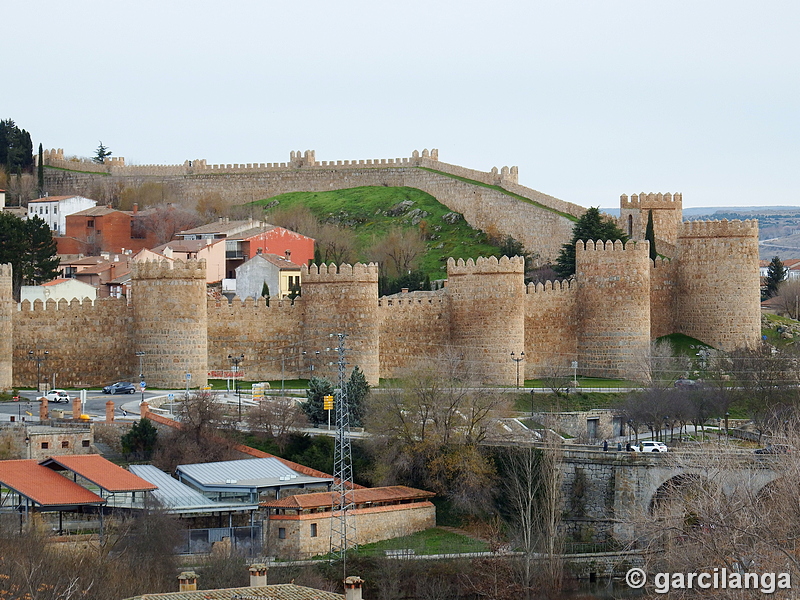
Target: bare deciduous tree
[
  {"x": 277, "y": 417},
  {"x": 398, "y": 252}
]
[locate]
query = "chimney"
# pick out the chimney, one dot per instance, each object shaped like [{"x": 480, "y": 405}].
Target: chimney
[
  {"x": 288, "y": 254},
  {"x": 109, "y": 411},
  {"x": 403, "y": 290},
  {"x": 258, "y": 575},
  {"x": 76, "y": 408},
  {"x": 143, "y": 408},
  {"x": 44, "y": 410},
  {"x": 352, "y": 587},
  {"x": 259, "y": 250},
  {"x": 135, "y": 208},
  {"x": 187, "y": 581}
]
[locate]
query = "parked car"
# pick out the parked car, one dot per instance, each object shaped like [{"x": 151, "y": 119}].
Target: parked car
[
  {"x": 121, "y": 387},
  {"x": 650, "y": 446},
  {"x": 57, "y": 396}
]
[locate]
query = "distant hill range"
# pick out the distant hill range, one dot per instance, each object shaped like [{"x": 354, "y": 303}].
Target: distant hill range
[{"x": 779, "y": 226}]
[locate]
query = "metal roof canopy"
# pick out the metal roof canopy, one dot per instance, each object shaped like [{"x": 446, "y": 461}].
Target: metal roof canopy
[
  {"x": 44, "y": 487},
  {"x": 179, "y": 498},
  {"x": 99, "y": 471},
  {"x": 250, "y": 474}
]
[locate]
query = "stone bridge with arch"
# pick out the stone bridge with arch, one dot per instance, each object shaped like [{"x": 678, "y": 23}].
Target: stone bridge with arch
[{"x": 605, "y": 492}]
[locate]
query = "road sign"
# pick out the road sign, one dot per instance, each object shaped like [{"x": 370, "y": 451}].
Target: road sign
[
  {"x": 142, "y": 385},
  {"x": 327, "y": 402},
  {"x": 170, "y": 397},
  {"x": 188, "y": 376}
]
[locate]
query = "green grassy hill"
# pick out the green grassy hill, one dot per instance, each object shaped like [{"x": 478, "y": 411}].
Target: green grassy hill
[{"x": 371, "y": 211}]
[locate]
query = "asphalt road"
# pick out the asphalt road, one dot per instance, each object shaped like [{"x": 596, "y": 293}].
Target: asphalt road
[{"x": 95, "y": 404}]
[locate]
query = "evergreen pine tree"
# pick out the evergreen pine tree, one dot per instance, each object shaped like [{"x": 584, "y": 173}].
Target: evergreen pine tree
[
  {"x": 650, "y": 235},
  {"x": 265, "y": 292},
  {"x": 140, "y": 440},
  {"x": 591, "y": 226},
  {"x": 318, "y": 388},
  {"x": 30, "y": 248},
  {"x": 101, "y": 154},
  {"x": 357, "y": 393},
  {"x": 776, "y": 273},
  {"x": 40, "y": 171}
]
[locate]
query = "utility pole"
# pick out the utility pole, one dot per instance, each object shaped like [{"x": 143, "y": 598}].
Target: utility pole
[{"x": 343, "y": 530}]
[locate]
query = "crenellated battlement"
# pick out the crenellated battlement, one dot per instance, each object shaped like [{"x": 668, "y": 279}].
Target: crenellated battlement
[
  {"x": 331, "y": 273},
  {"x": 630, "y": 247},
  {"x": 662, "y": 261},
  {"x": 164, "y": 269},
  {"x": 491, "y": 264},
  {"x": 719, "y": 229},
  {"x": 76, "y": 304},
  {"x": 565, "y": 285},
  {"x": 652, "y": 201},
  {"x": 413, "y": 300},
  {"x": 250, "y": 303},
  {"x": 5, "y": 270}
]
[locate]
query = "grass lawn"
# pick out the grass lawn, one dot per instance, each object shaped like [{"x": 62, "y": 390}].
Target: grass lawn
[
  {"x": 575, "y": 401},
  {"x": 430, "y": 541},
  {"x": 363, "y": 210}
]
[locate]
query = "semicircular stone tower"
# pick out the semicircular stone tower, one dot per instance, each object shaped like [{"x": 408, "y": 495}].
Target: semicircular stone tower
[
  {"x": 719, "y": 291},
  {"x": 487, "y": 324},
  {"x": 614, "y": 308},
  {"x": 171, "y": 322},
  {"x": 342, "y": 299}
]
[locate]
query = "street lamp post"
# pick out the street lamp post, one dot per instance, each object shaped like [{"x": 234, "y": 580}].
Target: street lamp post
[
  {"x": 140, "y": 354},
  {"x": 311, "y": 363},
  {"x": 235, "y": 362},
  {"x": 39, "y": 358},
  {"x": 518, "y": 360}
]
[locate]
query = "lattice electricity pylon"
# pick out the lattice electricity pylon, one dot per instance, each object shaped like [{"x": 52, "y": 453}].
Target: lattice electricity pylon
[{"x": 343, "y": 529}]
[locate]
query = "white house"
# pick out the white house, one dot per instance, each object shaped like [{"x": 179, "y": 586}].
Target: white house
[
  {"x": 58, "y": 289},
  {"x": 53, "y": 210},
  {"x": 279, "y": 273}
]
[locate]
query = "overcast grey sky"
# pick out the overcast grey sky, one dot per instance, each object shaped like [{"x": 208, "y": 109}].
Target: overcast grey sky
[{"x": 591, "y": 99}]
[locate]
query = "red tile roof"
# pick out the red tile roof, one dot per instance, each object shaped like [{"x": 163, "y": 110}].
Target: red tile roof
[
  {"x": 55, "y": 282},
  {"x": 44, "y": 486},
  {"x": 394, "y": 493},
  {"x": 101, "y": 472}
]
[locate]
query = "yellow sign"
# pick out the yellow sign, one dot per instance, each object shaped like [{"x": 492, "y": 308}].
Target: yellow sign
[{"x": 327, "y": 402}]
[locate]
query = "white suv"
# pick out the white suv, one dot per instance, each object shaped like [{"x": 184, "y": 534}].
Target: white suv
[
  {"x": 650, "y": 446},
  {"x": 58, "y": 396}
]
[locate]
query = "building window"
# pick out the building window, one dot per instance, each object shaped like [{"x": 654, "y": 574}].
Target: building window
[
  {"x": 90, "y": 223},
  {"x": 85, "y": 443},
  {"x": 55, "y": 210},
  {"x": 65, "y": 444},
  {"x": 313, "y": 530},
  {"x": 45, "y": 445},
  {"x": 281, "y": 533}
]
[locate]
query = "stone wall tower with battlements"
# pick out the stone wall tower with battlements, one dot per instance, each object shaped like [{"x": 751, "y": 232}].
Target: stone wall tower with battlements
[
  {"x": 487, "y": 323},
  {"x": 171, "y": 322},
  {"x": 667, "y": 216},
  {"x": 342, "y": 300},
  {"x": 7, "y": 307},
  {"x": 718, "y": 283},
  {"x": 613, "y": 308}
]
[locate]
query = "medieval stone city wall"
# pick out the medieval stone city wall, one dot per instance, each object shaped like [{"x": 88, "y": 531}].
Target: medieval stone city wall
[
  {"x": 550, "y": 329},
  {"x": 6, "y": 327},
  {"x": 269, "y": 337},
  {"x": 87, "y": 344},
  {"x": 613, "y": 308},
  {"x": 487, "y": 320},
  {"x": 663, "y": 297},
  {"x": 170, "y": 321},
  {"x": 538, "y": 220},
  {"x": 718, "y": 282},
  {"x": 415, "y": 328}
]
